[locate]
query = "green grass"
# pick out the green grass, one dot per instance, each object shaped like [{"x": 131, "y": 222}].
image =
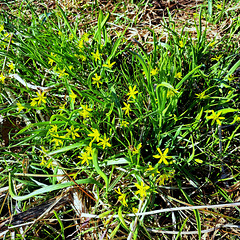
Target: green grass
[{"x": 136, "y": 126}]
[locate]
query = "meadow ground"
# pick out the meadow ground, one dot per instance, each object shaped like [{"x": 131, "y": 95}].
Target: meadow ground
[{"x": 119, "y": 119}]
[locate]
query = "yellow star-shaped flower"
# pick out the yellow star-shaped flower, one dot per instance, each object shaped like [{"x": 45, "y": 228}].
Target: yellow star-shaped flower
[
  {"x": 141, "y": 189},
  {"x": 163, "y": 156},
  {"x": 132, "y": 92},
  {"x": 215, "y": 117}
]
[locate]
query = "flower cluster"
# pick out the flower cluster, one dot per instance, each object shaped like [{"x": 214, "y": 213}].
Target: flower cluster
[
  {"x": 97, "y": 56},
  {"x": 101, "y": 141}
]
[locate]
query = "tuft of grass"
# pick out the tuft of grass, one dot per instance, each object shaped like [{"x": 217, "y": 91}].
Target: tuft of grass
[{"x": 135, "y": 127}]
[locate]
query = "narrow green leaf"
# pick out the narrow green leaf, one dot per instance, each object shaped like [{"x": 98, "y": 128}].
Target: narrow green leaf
[
  {"x": 196, "y": 212},
  {"x": 121, "y": 218},
  {"x": 67, "y": 148},
  {"x": 99, "y": 171},
  {"x": 233, "y": 69},
  {"x": 181, "y": 228},
  {"x": 228, "y": 110},
  {"x": 210, "y": 7},
  {"x": 101, "y": 23},
  {"x": 188, "y": 76},
  {"x": 113, "y": 233},
  {"x": 60, "y": 223},
  {"x": 144, "y": 65},
  {"x": 105, "y": 214},
  {"x": 115, "y": 182},
  {"x": 65, "y": 20},
  {"x": 116, "y": 45},
  {"x": 193, "y": 150},
  {"x": 48, "y": 188}
]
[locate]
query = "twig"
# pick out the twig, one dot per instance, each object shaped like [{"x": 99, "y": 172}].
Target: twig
[
  {"x": 29, "y": 85},
  {"x": 201, "y": 207},
  {"x": 194, "y": 232}
]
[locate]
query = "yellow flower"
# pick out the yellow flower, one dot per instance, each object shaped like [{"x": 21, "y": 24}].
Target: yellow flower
[
  {"x": 108, "y": 65},
  {"x": 181, "y": 44},
  {"x": 195, "y": 15},
  {"x": 95, "y": 134},
  {"x": 85, "y": 37},
  {"x": 51, "y": 61},
  {"x": 62, "y": 73},
  {"x": 124, "y": 123},
  {"x": 202, "y": 95},
  {"x": 211, "y": 44},
  {"x": 198, "y": 160},
  {"x": 122, "y": 197},
  {"x": 60, "y": 33},
  {"x": 53, "y": 130},
  {"x": 136, "y": 151},
  {"x": 162, "y": 179},
  {"x": 215, "y": 117},
  {"x": 163, "y": 156},
  {"x": 171, "y": 93},
  {"x": 104, "y": 142},
  {"x": 178, "y": 75},
  {"x": 45, "y": 163},
  {"x": 1, "y": 27},
  {"x": 89, "y": 149},
  {"x": 57, "y": 140},
  {"x": 72, "y": 132},
  {"x": 11, "y": 67},
  {"x": 219, "y": 6},
  {"x": 85, "y": 157},
  {"x": 217, "y": 58},
  {"x": 85, "y": 112},
  {"x": 72, "y": 95},
  {"x": 154, "y": 71},
  {"x": 70, "y": 37},
  {"x": 83, "y": 58},
  {"x": 132, "y": 92},
  {"x": 62, "y": 107},
  {"x": 7, "y": 35},
  {"x": 40, "y": 98},
  {"x": 81, "y": 44},
  {"x": 141, "y": 189},
  {"x": 2, "y": 78},
  {"x": 96, "y": 55},
  {"x": 96, "y": 80},
  {"x": 135, "y": 210},
  {"x": 165, "y": 177},
  {"x": 20, "y": 107},
  {"x": 33, "y": 103},
  {"x": 152, "y": 169},
  {"x": 230, "y": 78},
  {"x": 175, "y": 118},
  {"x": 43, "y": 151},
  {"x": 126, "y": 108}
]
